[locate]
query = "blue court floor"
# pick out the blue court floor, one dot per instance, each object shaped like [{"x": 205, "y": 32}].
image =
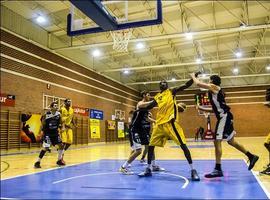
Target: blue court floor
[{"x": 101, "y": 179}]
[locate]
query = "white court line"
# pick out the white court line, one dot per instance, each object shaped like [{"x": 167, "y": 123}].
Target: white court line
[
  {"x": 47, "y": 170},
  {"x": 259, "y": 181},
  {"x": 97, "y": 174}
]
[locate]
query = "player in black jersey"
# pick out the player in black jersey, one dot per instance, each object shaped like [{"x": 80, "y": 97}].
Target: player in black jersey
[
  {"x": 50, "y": 125},
  {"x": 224, "y": 127},
  {"x": 139, "y": 134}
]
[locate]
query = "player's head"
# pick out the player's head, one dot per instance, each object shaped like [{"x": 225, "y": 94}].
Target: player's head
[
  {"x": 163, "y": 85},
  {"x": 145, "y": 95},
  {"x": 54, "y": 106},
  {"x": 215, "y": 79},
  {"x": 67, "y": 102}
]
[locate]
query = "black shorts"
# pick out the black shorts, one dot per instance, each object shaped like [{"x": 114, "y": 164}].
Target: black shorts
[
  {"x": 224, "y": 127},
  {"x": 139, "y": 135},
  {"x": 53, "y": 140}
]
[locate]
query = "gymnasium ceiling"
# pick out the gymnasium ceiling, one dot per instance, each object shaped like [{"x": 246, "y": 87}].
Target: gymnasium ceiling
[{"x": 219, "y": 30}]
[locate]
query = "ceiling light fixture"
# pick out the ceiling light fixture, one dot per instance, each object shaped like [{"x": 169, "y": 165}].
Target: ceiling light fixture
[
  {"x": 96, "y": 53},
  {"x": 189, "y": 36},
  {"x": 41, "y": 19},
  {"x": 235, "y": 70},
  {"x": 238, "y": 54},
  {"x": 198, "y": 60},
  {"x": 140, "y": 45}
]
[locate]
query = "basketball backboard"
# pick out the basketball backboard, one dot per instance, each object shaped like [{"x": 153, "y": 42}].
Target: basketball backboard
[{"x": 96, "y": 16}]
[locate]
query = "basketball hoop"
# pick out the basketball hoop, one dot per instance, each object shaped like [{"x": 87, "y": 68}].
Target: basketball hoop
[{"x": 121, "y": 39}]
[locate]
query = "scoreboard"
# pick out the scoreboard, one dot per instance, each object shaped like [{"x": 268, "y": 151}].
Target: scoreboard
[{"x": 202, "y": 99}]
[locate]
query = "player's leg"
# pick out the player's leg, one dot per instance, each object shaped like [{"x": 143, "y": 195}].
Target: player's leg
[
  {"x": 56, "y": 141},
  {"x": 228, "y": 134},
  {"x": 267, "y": 146},
  {"x": 217, "y": 172},
  {"x": 45, "y": 146},
  {"x": 68, "y": 141},
  {"x": 157, "y": 139},
  {"x": 136, "y": 149},
  {"x": 145, "y": 151},
  {"x": 174, "y": 131}
]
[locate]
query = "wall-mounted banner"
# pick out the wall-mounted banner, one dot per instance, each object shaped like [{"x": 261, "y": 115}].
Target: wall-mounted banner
[
  {"x": 111, "y": 125},
  {"x": 94, "y": 128},
  {"x": 7, "y": 100},
  {"x": 30, "y": 131},
  {"x": 81, "y": 111},
  {"x": 121, "y": 128},
  {"x": 96, "y": 114}
]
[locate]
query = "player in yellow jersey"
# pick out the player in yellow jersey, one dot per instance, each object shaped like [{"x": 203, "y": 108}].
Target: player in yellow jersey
[
  {"x": 167, "y": 124},
  {"x": 267, "y": 146},
  {"x": 67, "y": 113}
]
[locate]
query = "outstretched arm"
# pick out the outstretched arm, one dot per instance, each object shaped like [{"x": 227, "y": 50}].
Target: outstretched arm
[
  {"x": 185, "y": 86},
  {"x": 182, "y": 87},
  {"x": 147, "y": 105}
]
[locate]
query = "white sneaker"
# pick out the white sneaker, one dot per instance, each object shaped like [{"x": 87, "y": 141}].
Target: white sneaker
[{"x": 125, "y": 171}]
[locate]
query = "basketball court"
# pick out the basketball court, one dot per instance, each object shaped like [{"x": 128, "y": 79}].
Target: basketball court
[{"x": 101, "y": 55}]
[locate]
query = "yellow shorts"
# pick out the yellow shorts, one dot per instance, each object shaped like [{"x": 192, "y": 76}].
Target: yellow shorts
[
  {"x": 67, "y": 136},
  {"x": 267, "y": 140},
  {"x": 162, "y": 132}
]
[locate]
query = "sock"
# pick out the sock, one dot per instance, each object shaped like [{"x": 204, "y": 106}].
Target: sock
[
  {"x": 125, "y": 164},
  {"x": 149, "y": 166},
  {"x": 153, "y": 162},
  {"x": 249, "y": 155},
  {"x": 41, "y": 154},
  {"x": 60, "y": 154},
  {"x": 218, "y": 167}
]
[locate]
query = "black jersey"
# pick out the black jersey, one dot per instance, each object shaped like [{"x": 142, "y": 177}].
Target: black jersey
[
  {"x": 218, "y": 103},
  {"x": 52, "y": 122},
  {"x": 140, "y": 118}
]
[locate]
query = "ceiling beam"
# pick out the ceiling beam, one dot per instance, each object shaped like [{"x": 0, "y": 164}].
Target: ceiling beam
[
  {"x": 190, "y": 63},
  {"x": 183, "y": 80},
  {"x": 174, "y": 35}
]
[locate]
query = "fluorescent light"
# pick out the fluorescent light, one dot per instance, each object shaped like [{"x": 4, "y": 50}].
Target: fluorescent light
[
  {"x": 268, "y": 68},
  {"x": 96, "y": 53},
  {"x": 140, "y": 45},
  {"x": 198, "y": 60},
  {"x": 41, "y": 19},
  {"x": 173, "y": 79},
  {"x": 235, "y": 70},
  {"x": 238, "y": 54},
  {"x": 126, "y": 71},
  {"x": 189, "y": 36}
]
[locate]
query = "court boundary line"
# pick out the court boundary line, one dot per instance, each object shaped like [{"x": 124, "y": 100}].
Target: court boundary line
[
  {"x": 46, "y": 170},
  {"x": 259, "y": 181}
]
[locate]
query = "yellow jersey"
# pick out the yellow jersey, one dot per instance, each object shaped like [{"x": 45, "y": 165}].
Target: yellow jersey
[
  {"x": 67, "y": 115},
  {"x": 167, "y": 108}
]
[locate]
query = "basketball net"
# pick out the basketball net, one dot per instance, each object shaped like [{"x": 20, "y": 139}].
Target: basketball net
[{"x": 121, "y": 39}]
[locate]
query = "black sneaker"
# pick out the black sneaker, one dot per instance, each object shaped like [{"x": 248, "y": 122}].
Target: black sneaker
[
  {"x": 37, "y": 164},
  {"x": 266, "y": 171},
  {"x": 252, "y": 162},
  {"x": 60, "y": 163},
  {"x": 147, "y": 172},
  {"x": 214, "y": 174},
  {"x": 194, "y": 175}
]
